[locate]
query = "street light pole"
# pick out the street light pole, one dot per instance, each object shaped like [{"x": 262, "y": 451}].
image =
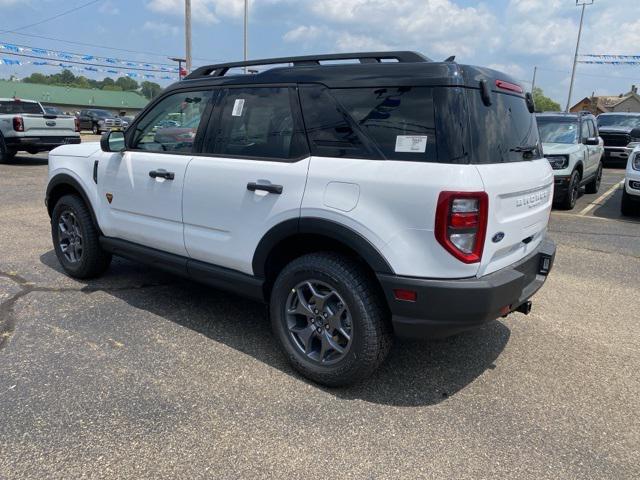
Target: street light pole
[
  {"x": 533, "y": 83},
  {"x": 187, "y": 34},
  {"x": 582, "y": 3}
]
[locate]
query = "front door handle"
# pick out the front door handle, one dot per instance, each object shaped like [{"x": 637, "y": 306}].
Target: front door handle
[
  {"x": 253, "y": 186},
  {"x": 162, "y": 173}
]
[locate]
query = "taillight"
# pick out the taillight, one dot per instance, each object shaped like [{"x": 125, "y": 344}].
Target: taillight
[
  {"x": 77, "y": 123},
  {"x": 18, "y": 124},
  {"x": 512, "y": 87},
  {"x": 461, "y": 224}
]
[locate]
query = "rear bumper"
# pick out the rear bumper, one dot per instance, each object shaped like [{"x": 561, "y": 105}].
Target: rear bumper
[
  {"x": 446, "y": 307},
  {"x": 40, "y": 143}
]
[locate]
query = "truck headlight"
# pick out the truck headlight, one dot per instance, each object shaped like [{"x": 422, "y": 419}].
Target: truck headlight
[
  {"x": 635, "y": 163},
  {"x": 558, "y": 162}
]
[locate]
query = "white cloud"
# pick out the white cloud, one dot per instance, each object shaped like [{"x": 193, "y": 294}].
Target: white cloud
[
  {"x": 108, "y": 8},
  {"x": 304, "y": 33},
  {"x": 202, "y": 11},
  {"x": 160, "y": 28},
  {"x": 7, "y": 3}
]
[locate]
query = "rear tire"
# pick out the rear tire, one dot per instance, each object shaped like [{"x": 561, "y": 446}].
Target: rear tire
[
  {"x": 76, "y": 239},
  {"x": 594, "y": 185},
  {"x": 569, "y": 201},
  {"x": 628, "y": 207},
  {"x": 329, "y": 318},
  {"x": 6, "y": 155}
]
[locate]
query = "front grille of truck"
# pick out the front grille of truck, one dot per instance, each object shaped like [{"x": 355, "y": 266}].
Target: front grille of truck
[{"x": 615, "y": 139}]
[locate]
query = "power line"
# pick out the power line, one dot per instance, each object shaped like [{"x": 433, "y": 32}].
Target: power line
[
  {"x": 93, "y": 45},
  {"x": 61, "y": 14},
  {"x": 586, "y": 74}
]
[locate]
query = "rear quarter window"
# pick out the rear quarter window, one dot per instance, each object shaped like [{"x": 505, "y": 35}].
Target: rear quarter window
[{"x": 399, "y": 121}]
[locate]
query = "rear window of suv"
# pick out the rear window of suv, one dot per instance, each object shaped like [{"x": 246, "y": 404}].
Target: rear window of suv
[{"x": 12, "y": 107}]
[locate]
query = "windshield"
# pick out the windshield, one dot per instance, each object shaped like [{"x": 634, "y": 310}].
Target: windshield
[
  {"x": 622, "y": 121},
  {"x": 11, "y": 107},
  {"x": 554, "y": 130}
]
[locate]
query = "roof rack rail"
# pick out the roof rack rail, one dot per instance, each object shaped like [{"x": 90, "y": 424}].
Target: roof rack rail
[{"x": 219, "y": 70}]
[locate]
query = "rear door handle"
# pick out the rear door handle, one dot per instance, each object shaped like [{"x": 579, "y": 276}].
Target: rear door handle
[
  {"x": 162, "y": 173},
  {"x": 253, "y": 186}
]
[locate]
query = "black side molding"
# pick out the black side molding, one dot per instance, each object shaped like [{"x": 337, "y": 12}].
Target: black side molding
[{"x": 213, "y": 275}]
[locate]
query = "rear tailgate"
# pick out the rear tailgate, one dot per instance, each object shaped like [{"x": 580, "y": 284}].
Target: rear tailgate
[
  {"x": 48, "y": 125},
  {"x": 520, "y": 198}
]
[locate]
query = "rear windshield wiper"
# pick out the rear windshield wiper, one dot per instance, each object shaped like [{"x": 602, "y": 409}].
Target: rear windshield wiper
[{"x": 524, "y": 149}]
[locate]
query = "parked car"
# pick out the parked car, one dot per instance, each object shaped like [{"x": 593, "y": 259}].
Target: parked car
[
  {"x": 99, "y": 121},
  {"x": 360, "y": 200},
  {"x": 24, "y": 126},
  {"x": 631, "y": 192},
  {"x": 572, "y": 144},
  {"x": 618, "y": 130}
]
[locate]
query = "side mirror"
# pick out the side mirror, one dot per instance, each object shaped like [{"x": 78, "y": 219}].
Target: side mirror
[
  {"x": 112, "y": 141},
  {"x": 635, "y": 133},
  {"x": 592, "y": 141}
]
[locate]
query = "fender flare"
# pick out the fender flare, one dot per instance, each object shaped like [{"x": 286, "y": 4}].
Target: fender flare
[
  {"x": 68, "y": 180},
  {"x": 318, "y": 226}
]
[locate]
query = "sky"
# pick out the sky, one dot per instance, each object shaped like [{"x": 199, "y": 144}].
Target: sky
[{"x": 509, "y": 35}]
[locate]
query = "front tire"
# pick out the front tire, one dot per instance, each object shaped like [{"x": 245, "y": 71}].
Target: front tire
[
  {"x": 95, "y": 129},
  {"x": 329, "y": 318},
  {"x": 569, "y": 201},
  {"x": 6, "y": 155},
  {"x": 628, "y": 207},
  {"x": 594, "y": 185},
  {"x": 76, "y": 239}
]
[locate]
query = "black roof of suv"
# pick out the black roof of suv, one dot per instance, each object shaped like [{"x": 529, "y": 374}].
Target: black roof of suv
[{"x": 373, "y": 69}]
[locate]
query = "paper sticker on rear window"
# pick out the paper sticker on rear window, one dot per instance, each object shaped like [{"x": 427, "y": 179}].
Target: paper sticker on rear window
[
  {"x": 238, "y": 106},
  {"x": 411, "y": 143}
]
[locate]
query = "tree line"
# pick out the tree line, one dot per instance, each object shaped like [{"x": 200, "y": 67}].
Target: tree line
[{"x": 66, "y": 78}]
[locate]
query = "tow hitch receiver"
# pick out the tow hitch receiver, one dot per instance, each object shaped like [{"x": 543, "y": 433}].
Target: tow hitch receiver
[{"x": 525, "y": 307}]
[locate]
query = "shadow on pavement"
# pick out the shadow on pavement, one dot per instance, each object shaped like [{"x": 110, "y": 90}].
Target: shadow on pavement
[
  {"x": 27, "y": 160},
  {"x": 415, "y": 373},
  {"x": 611, "y": 209}
]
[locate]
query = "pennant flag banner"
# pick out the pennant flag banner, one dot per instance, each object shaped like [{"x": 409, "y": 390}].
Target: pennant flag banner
[
  {"x": 608, "y": 62},
  {"x": 42, "y": 52},
  {"x": 613, "y": 57},
  {"x": 85, "y": 68}
]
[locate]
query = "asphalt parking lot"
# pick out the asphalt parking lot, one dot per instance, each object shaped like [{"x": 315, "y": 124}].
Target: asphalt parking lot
[{"x": 141, "y": 374}]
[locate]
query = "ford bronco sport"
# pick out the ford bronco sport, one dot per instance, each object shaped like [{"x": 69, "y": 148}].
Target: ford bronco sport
[{"x": 362, "y": 195}]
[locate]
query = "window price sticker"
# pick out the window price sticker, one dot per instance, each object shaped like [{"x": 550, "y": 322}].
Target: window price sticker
[
  {"x": 238, "y": 106},
  {"x": 411, "y": 143}
]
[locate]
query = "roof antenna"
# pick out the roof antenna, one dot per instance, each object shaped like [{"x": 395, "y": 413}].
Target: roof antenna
[{"x": 450, "y": 59}]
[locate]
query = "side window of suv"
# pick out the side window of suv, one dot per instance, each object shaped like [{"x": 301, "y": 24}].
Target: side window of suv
[
  {"x": 593, "y": 129},
  {"x": 585, "y": 133},
  {"x": 258, "y": 122},
  {"x": 172, "y": 124}
]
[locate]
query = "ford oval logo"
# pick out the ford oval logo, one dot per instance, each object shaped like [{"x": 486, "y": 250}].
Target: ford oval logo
[
  {"x": 51, "y": 123},
  {"x": 498, "y": 237}
]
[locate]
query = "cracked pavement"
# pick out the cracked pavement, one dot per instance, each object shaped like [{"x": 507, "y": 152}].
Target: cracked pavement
[{"x": 140, "y": 374}]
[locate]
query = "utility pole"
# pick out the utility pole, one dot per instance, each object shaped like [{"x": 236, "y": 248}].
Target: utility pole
[
  {"x": 187, "y": 34},
  {"x": 582, "y": 3},
  {"x": 246, "y": 32},
  {"x": 533, "y": 82}
]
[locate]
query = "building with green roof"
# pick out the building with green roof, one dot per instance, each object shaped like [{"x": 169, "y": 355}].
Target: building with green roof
[{"x": 70, "y": 99}]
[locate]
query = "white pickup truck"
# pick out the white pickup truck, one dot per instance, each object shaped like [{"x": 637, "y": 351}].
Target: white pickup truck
[{"x": 25, "y": 126}]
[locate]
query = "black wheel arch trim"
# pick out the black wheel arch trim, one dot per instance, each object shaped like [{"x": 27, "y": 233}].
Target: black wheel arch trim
[
  {"x": 318, "y": 226},
  {"x": 68, "y": 180}
]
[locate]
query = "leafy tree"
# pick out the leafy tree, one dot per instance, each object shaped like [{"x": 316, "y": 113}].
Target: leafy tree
[
  {"x": 112, "y": 88},
  {"x": 127, "y": 84},
  {"x": 150, "y": 89},
  {"x": 36, "y": 78},
  {"x": 544, "y": 103}
]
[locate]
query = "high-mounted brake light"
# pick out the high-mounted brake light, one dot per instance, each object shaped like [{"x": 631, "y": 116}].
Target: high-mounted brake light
[
  {"x": 18, "y": 124},
  {"x": 512, "y": 87},
  {"x": 461, "y": 224}
]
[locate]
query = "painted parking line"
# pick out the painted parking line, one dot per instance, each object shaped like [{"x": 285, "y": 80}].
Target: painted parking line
[{"x": 601, "y": 199}]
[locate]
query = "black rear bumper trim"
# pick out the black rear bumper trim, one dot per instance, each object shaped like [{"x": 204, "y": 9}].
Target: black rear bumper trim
[{"x": 446, "y": 307}]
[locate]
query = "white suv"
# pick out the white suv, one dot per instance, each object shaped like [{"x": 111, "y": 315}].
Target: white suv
[
  {"x": 631, "y": 192},
  {"x": 571, "y": 143},
  {"x": 390, "y": 195}
]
